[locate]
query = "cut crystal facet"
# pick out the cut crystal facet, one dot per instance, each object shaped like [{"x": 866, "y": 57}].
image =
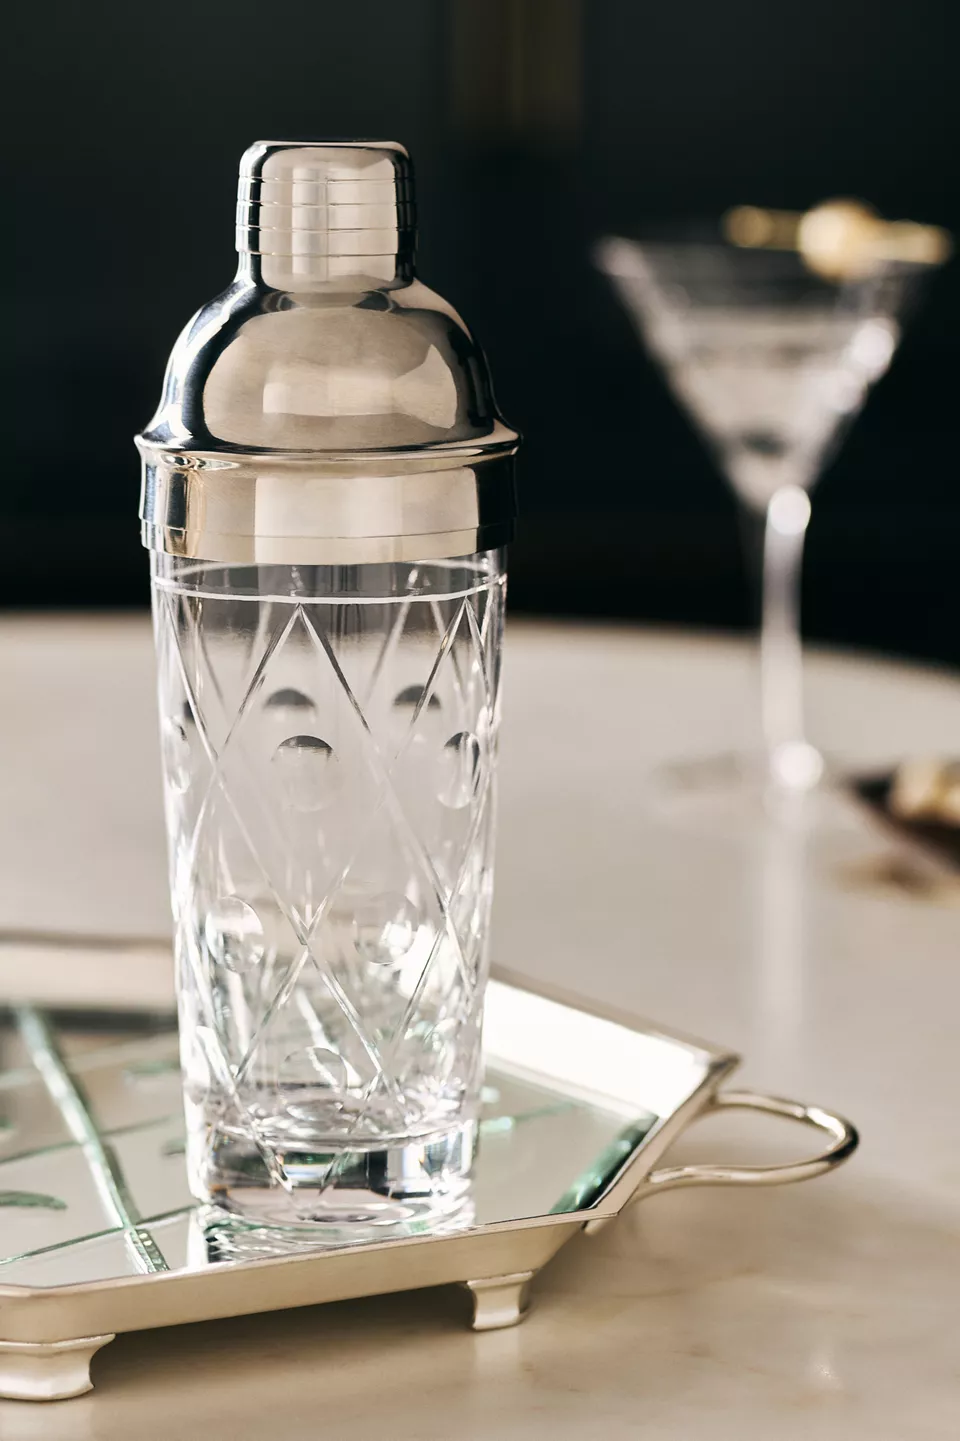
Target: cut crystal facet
[{"x": 332, "y": 885}]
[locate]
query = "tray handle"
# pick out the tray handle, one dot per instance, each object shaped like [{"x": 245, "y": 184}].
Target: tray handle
[{"x": 844, "y": 1141}]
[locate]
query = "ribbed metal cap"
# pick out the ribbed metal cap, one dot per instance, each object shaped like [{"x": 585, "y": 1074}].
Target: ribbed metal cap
[{"x": 304, "y": 199}]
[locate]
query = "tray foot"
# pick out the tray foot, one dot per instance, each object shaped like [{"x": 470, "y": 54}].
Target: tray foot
[
  {"x": 47, "y": 1370},
  {"x": 500, "y": 1301}
]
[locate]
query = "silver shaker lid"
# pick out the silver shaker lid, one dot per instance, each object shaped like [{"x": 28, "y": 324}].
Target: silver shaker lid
[{"x": 327, "y": 407}]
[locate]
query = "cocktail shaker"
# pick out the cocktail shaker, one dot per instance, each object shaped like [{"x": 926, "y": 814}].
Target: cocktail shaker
[{"x": 327, "y": 491}]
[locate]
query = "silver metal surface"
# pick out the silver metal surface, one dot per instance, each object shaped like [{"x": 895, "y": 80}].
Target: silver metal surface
[
  {"x": 100, "y": 1235},
  {"x": 297, "y": 203},
  {"x": 500, "y": 1301},
  {"x": 48, "y": 1371},
  {"x": 327, "y": 407},
  {"x": 843, "y": 1143}
]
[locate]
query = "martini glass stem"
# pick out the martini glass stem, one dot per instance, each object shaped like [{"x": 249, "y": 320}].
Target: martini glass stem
[{"x": 791, "y": 763}]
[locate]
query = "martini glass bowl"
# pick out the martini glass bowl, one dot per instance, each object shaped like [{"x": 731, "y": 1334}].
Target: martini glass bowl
[{"x": 772, "y": 361}]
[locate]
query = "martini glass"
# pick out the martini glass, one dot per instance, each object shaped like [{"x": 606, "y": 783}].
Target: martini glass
[{"x": 772, "y": 361}]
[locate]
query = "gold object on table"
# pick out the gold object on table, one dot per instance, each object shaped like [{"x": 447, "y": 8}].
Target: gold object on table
[
  {"x": 838, "y": 239},
  {"x": 927, "y": 788},
  {"x": 918, "y": 803}
]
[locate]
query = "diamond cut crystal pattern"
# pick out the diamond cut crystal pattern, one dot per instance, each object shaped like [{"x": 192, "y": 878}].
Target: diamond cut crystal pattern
[{"x": 329, "y": 753}]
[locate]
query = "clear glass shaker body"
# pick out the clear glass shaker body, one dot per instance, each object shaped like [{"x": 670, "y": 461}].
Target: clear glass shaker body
[{"x": 329, "y": 741}]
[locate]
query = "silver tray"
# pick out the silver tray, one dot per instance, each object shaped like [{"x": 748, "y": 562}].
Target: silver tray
[{"x": 98, "y": 1234}]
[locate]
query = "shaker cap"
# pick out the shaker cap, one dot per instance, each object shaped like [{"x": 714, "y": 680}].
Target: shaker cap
[{"x": 351, "y": 198}]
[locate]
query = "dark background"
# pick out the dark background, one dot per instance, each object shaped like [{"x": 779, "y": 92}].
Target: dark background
[{"x": 536, "y": 126}]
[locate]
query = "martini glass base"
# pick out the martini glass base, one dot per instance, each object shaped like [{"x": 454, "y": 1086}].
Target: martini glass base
[{"x": 735, "y": 792}]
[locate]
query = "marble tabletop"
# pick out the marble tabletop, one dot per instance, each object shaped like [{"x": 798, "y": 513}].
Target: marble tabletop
[{"x": 828, "y": 1310}]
